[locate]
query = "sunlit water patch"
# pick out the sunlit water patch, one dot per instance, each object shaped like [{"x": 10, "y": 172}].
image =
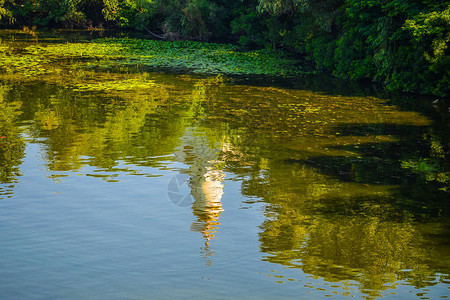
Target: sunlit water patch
[{"x": 117, "y": 185}]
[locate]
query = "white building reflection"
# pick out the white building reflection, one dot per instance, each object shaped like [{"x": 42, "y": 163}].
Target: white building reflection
[{"x": 206, "y": 183}]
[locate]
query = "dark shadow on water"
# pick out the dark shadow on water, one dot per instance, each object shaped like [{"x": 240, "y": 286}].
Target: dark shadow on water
[
  {"x": 416, "y": 170},
  {"x": 380, "y": 129}
]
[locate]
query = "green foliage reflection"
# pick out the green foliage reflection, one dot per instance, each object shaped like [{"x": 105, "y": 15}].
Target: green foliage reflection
[
  {"x": 350, "y": 182},
  {"x": 11, "y": 143},
  {"x": 329, "y": 169}
]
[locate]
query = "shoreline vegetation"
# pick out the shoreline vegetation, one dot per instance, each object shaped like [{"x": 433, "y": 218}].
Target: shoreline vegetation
[
  {"x": 400, "y": 44},
  {"x": 46, "y": 56}
]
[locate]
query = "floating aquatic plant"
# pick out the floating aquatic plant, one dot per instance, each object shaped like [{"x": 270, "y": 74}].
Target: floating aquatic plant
[
  {"x": 117, "y": 85},
  {"x": 204, "y": 58}
]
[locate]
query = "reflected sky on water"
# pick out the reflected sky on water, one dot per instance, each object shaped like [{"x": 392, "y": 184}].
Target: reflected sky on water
[{"x": 176, "y": 186}]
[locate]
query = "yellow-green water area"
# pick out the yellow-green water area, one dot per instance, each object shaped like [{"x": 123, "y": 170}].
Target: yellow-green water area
[
  {"x": 34, "y": 56},
  {"x": 351, "y": 190}
]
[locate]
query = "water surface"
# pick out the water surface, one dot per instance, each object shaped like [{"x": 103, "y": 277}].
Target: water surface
[{"x": 119, "y": 184}]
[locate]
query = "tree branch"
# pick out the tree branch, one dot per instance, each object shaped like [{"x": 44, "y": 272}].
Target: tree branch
[{"x": 154, "y": 34}]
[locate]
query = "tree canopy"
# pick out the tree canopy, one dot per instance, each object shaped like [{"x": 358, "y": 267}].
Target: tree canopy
[{"x": 402, "y": 44}]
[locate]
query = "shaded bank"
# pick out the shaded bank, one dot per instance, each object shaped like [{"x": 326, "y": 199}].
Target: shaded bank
[{"x": 401, "y": 44}]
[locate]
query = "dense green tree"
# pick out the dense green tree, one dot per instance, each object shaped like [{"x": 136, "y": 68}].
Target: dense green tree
[
  {"x": 402, "y": 44},
  {"x": 6, "y": 15},
  {"x": 433, "y": 28},
  {"x": 127, "y": 13}
]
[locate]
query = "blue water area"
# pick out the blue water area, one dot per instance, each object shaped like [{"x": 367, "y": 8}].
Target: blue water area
[{"x": 133, "y": 185}]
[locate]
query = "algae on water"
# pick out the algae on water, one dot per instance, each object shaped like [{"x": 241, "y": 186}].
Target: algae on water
[{"x": 203, "y": 58}]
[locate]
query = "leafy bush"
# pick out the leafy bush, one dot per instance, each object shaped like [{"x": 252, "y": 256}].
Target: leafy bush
[{"x": 402, "y": 44}]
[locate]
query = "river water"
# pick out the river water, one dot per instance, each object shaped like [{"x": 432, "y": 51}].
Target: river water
[{"x": 147, "y": 185}]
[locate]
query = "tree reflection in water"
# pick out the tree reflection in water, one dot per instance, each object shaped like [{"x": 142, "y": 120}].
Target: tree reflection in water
[
  {"x": 12, "y": 146},
  {"x": 342, "y": 237},
  {"x": 342, "y": 204},
  {"x": 354, "y": 188}
]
